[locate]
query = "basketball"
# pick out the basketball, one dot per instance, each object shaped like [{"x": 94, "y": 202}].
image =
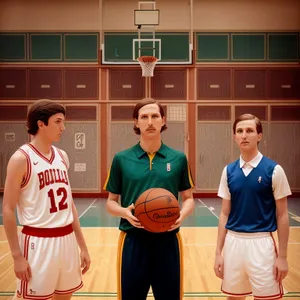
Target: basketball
[{"x": 157, "y": 209}]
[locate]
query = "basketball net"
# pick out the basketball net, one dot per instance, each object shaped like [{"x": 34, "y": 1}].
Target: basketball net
[{"x": 148, "y": 64}]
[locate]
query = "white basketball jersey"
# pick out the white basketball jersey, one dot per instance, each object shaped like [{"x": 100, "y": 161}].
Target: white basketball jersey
[{"x": 45, "y": 200}]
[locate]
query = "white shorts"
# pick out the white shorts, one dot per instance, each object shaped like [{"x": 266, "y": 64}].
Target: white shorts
[
  {"x": 249, "y": 259},
  {"x": 55, "y": 266}
]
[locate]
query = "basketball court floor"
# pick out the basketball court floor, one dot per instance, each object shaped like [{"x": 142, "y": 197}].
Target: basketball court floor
[{"x": 199, "y": 234}]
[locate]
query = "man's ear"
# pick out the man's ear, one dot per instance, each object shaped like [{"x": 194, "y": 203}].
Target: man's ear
[
  {"x": 259, "y": 137},
  {"x": 40, "y": 124}
]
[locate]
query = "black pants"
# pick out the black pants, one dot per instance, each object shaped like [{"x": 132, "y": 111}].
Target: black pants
[{"x": 150, "y": 259}]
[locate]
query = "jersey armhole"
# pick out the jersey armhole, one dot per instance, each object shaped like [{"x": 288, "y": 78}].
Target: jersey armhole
[
  {"x": 28, "y": 169},
  {"x": 63, "y": 158}
]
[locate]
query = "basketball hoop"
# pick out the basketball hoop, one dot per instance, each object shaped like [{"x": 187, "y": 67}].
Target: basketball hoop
[{"x": 148, "y": 64}]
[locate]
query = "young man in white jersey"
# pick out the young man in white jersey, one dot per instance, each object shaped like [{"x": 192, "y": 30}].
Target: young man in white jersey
[
  {"x": 46, "y": 259},
  {"x": 254, "y": 190}
]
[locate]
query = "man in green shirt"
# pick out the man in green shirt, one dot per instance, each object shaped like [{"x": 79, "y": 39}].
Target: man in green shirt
[{"x": 144, "y": 258}]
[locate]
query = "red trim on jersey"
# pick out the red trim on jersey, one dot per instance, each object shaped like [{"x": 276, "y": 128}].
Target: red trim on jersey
[
  {"x": 50, "y": 160},
  {"x": 276, "y": 297},
  {"x": 232, "y": 294},
  {"x": 28, "y": 171},
  {"x": 70, "y": 290},
  {"x": 21, "y": 293},
  {"x": 62, "y": 157},
  {"x": 47, "y": 232},
  {"x": 27, "y": 295},
  {"x": 45, "y": 297},
  {"x": 26, "y": 247}
]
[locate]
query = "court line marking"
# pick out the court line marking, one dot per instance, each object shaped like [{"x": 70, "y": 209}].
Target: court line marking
[
  {"x": 199, "y": 200},
  {"x": 3, "y": 256},
  {"x": 88, "y": 208},
  {"x": 117, "y": 228},
  {"x": 294, "y": 217},
  {"x": 4, "y": 241},
  {"x": 293, "y": 214},
  {"x": 114, "y": 294},
  {"x": 186, "y": 294},
  {"x": 204, "y": 205},
  {"x": 193, "y": 245}
]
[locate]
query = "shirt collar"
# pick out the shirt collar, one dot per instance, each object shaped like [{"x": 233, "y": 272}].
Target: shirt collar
[
  {"x": 161, "y": 151},
  {"x": 253, "y": 163}
]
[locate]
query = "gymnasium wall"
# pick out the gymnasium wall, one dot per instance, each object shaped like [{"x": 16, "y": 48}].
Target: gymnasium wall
[
  {"x": 32, "y": 15},
  {"x": 245, "y": 58},
  {"x": 175, "y": 15},
  {"x": 246, "y": 15}
]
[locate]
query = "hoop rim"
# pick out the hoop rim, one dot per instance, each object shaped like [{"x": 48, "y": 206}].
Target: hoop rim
[{"x": 153, "y": 58}]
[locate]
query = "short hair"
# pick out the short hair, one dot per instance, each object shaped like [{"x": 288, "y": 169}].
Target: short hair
[
  {"x": 42, "y": 110},
  {"x": 141, "y": 104},
  {"x": 245, "y": 117}
]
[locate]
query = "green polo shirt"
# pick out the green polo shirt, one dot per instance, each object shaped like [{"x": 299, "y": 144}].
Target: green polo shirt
[{"x": 133, "y": 171}]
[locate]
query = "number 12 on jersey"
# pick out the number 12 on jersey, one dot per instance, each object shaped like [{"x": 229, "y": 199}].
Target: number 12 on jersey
[{"x": 62, "y": 193}]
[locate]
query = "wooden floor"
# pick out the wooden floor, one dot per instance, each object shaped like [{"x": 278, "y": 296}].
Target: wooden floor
[
  {"x": 199, "y": 233},
  {"x": 199, "y": 279}
]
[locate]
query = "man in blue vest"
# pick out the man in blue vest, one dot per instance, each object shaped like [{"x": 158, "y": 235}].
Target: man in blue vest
[{"x": 254, "y": 190}]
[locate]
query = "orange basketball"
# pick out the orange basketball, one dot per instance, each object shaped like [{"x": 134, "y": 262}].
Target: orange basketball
[{"x": 157, "y": 209}]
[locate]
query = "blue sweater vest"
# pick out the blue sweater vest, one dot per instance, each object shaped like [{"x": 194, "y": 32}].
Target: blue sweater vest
[{"x": 253, "y": 207}]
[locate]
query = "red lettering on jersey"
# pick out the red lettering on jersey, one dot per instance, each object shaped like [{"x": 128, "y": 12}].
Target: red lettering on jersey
[
  {"x": 65, "y": 177},
  {"x": 47, "y": 181},
  {"x": 54, "y": 175},
  {"x": 52, "y": 180},
  {"x": 41, "y": 179},
  {"x": 51, "y": 176},
  {"x": 58, "y": 175}
]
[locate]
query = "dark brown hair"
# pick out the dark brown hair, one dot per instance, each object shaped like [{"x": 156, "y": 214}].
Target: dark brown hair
[
  {"x": 245, "y": 117},
  {"x": 142, "y": 103},
  {"x": 42, "y": 110}
]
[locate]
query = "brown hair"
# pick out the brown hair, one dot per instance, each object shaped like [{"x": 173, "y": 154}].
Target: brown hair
[
  {"x": 142, "y": 103},
  {"x": 42, "y": 110},
  {"x": 245, "y": 117}
]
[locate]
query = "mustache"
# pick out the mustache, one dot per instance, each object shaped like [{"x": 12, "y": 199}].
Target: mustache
[{"x": 151, "y": 127}]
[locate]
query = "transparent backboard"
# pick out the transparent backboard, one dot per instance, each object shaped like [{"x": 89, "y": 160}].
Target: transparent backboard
[{"x": 146, "y": 47}]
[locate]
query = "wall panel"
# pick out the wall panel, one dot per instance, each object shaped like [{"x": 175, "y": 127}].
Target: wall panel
[
  {"x": 126, "y": 84},
  {"x": 169, "y": 84},
  {"x": 13, "y": 83}
]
